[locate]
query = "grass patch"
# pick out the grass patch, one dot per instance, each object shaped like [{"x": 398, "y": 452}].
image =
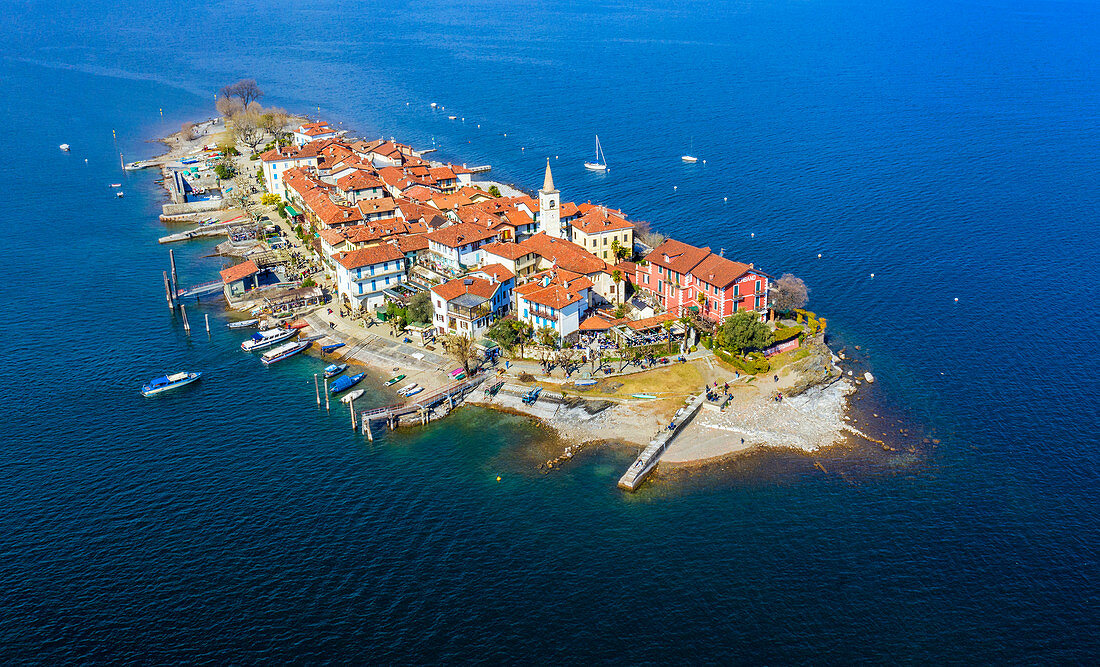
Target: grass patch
[
  {"x": 789, "y": 357},
  {"x": 674, "y": 378}
]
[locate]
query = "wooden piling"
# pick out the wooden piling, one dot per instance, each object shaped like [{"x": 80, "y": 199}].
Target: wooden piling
[
  {"x": 317, "y": 389},
  {"x": 168, "y": 292},
  {"x": 207, "y": 315},
  {"x": 351, "y": 409},
  {"x": 326, "y": 394},
  {"x": 175, "y": 280},
  {"x": 367, "y": 429},
  {"x": 183, "y": 311}
]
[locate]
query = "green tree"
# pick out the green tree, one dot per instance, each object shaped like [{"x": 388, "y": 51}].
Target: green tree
[
  {"x": 743, "y": 331},
  {"x": 620, "y": 311},
  {"x": 547, "y": 337},
  {"x": 224, "y": 171},
  {"x": 494, "y": 191},
  {"x": 509, "y": 333},
  {"x": 420, "y": 308},
  {"x": 309, "y": 282}
]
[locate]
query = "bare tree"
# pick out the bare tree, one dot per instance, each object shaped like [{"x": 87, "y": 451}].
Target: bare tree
[
  {"x": 229, "y": 107},
  {"x": 461, "y": 349},
  {"x": 789, "y": 293},
  {"x": 247, "y": 130},
  {"x": 245, "y": 90},
  {"x": 274, "y": 120},
  {"x": 644, "y": 233},
  {"x": 188, "y": 131}
]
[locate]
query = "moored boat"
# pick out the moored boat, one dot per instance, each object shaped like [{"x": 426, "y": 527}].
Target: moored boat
[
  {"x": 395, "y": 379},
  {"x": 298, "y": 324},
  {"x": 345, "y": 382},
  {"x": 264, "y": 339},
  {"x": 64, "y": 147},
  {"x": 351, "y": 396},
  {"x": 643, "y": 396},
  {"x": 404, "y": 391},
  {"x": 530, "y": 397},
  {"x": 243, "y": 324},
  {"x": 335, "y": 369},
  {"x": 166, "y": 382},
  {"x": 330, "y": 348},
  {"x": 284, "y": 352},
  {"x": 601, "y": 160},
  {"x": 689, "y": 158},
  {"x": 584, "y": 383},
  {"x": 414, "y": 391}
]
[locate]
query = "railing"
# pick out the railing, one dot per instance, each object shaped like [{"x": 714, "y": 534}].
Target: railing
[{"x": 544, "y": 314}]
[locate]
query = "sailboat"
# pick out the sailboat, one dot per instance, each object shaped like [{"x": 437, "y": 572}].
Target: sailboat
[
  {"x": 689, "y": 157},
  {"x": 601, "y": 160}
]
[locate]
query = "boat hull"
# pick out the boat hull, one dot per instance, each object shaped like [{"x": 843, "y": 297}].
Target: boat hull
[
  {"x": 592, "y": 166},
  {"x": 286, "y": 354},
  {"x": 150, "y": 390},
  {"x": 251, "y": 345},
  {"x": 346, "y": 382}
]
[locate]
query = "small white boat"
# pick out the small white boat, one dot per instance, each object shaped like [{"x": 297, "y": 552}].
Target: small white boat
[
  {"x": 352, "y": 396},
  {"x": 585, "y": 383},
  {"x": 243, "y": 324},
  {"x": 284, "y": 351},
  {"x": 414, "y": 391},
  {"x": 64, "y": 147},
  {"x": 601, "y": 160},
  {"x": 119, "y": 194},
  {"x": 114, "y": 185},
  {"x": 451, "y": 117},
  {"x": 689, "y": 158},
  {"x": 265, "y": 339},
  {"x": 434, "y": 105},
  {"x": 407, "y": 389}
]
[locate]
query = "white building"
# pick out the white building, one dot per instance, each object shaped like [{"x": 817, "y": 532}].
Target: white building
[
  {"x": 362, "y": 275},
  {"x": 308, "y": 132},
  {"x": 277, "y": 160},
  {"x": 459, "y": 246},
  {"x": 555, "y": 299},
  {"x": 469, "y": 305}
]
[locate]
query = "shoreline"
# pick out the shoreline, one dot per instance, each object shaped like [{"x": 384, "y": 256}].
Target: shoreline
[{"x": 628, "y": 423}]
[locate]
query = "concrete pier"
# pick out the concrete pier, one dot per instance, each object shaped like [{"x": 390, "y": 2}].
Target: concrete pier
[{"x": 649, "y": 457}]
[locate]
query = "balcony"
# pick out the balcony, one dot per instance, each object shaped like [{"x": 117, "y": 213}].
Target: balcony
[
  {"x": 544, "y": 314},
  {"x": 470, "y": 313}
]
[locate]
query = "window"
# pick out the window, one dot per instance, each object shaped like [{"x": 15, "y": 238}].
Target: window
[
  {"x": 758, "y": 289},
  {"x": 736, "y": 290},
  {"x": 373, "y": 287},
  {"x": 605, "y": 241}
]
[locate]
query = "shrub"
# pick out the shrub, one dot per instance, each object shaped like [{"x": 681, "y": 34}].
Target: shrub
[
  {"x": 526, "y": 377},
  {"x": 282, "y": 210},
  {"x": 786, "y": 333},
  {"x": 270, "y": 199},
  {"x": 309, "y": 282},
  {"x": 494, "y": 191},
  {"x": 224, "y": 172}
]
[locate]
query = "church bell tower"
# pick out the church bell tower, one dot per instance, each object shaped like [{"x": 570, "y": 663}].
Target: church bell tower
[{"x": 549, "y": 203}]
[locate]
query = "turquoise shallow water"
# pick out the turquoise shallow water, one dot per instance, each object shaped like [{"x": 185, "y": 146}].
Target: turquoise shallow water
[{"x": 949, "y": 148}]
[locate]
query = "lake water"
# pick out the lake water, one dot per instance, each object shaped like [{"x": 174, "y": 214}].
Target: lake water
[{"x": 948, "y": 148}]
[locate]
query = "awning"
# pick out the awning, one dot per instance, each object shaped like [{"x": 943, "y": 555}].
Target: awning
[
  {"x": 694, "y": 309},
  {"x": 292, "y": 211}
]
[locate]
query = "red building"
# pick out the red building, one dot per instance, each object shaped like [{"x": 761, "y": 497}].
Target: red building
[{"x": 679, "y": 277}]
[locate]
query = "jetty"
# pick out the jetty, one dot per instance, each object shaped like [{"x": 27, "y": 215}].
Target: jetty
[
  {"x": 214, "y": 229},
  {"x": 424, "y": 408},
  {"x": 647, "y": 460}
]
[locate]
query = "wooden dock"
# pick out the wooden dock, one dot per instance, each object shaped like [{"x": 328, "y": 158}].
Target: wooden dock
[
  {"x": 422, "y": 407},
  {"x": 647, "y": 460},
  {"x": 215, "y": 229}
]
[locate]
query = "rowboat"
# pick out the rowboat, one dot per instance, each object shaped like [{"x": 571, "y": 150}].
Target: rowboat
[
  {"x": 414, "y": 391},
  {"x": 284, "y": 352},
  {"x": 643, "y": 396},
  {"x": 345, "y": 382},
  {"x": 585, "y": 383},
  {"x": 404, "y": 391},
  {"x": 394, "y": 380},
  {"x": 166, "y": 382},
  {"x": 351, "y": 396},
  {"x": 243, "y": 324},
  {"x": 335, "y": 369},
  {"x": 298, "y": 324},
  {"x": 329, "y": 348},
  {"x": 265, "y": 339}
]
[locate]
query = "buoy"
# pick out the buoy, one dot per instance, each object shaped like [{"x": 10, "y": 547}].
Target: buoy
[
  {"x": 704, "y": 161},
  {"x": 753, "y": 234},
  {"x": 86, "y": 162},
  {"x": 498, "y": 478},
  {"x": 725, "y": 198},
  {"x": 675, "y": 186},
  {"x": 956, "y": 298},
  {"x": 819, "y": 255},
  {"x": 872, "y": 275},
  {"x": 505, "y": 134}
]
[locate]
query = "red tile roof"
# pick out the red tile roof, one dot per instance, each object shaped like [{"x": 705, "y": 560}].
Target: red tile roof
[
  {"x": 566, "y": 254},
  {"x": 719, "y": 271},
  {"x": 239, "y": 271},
  {"x": 453, "y": 289},
  {"x": 680, "y": 257},
  {"x": 499, "y": 270},
  {"x": 651, "y": 322},
  {"x": 460, "y": 234},
  {"x": 375, "y": 254},
  {"x": 512, "y": 251},
  {"x": 600, "y": 219}
]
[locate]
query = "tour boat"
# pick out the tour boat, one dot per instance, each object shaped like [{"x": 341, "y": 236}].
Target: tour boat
[
  {"x": 394, "y": 380},
  {"x": 243, "y": 324},
  {"x": 405, "y": 391},
  {"x": 345, "y": 382},
  {"x": 351, "y": 396},
  {"x": 64, "y": 147},
  {"x": 284, "y": 351},
  {"x": 601, "y": 160},
  {"x": 298, "y": 324},
  {"x": 335, "y": 369},
  {"x": 414, "y": 391},
  {"x": 584, "y": 383},
  {"x": 264, "y": 339},
  {"x": 166, "y": 382}
]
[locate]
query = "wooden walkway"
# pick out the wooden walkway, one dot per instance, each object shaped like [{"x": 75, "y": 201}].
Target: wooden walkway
[{"x": 451, "y": 393}]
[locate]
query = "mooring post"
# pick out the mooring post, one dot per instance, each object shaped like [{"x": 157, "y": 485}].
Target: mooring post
[
  {"x": 168, "y": 292},
  {"x": 351, "y": 409},
  {"x": 366, "y": 427},
  {"x": 326, "y": 394},
  {"x": 175, "y": 280},
  {"x": 317, "y": 389},
  {"x": 183, "y": 311},
  {"x": 207, "y": 315}
]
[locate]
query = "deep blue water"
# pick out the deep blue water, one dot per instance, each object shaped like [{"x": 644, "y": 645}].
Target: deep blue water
[{"x": 949, "y": 148}]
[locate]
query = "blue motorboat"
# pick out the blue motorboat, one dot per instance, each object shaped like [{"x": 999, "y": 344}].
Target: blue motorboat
[
  {"x": 530, "y": 397},
  {"x": 345, "y": 382},
  {"x": 329, "y": 348},
  {"x": 166, "y": 382},
  {"x": 335, "y": 369}
]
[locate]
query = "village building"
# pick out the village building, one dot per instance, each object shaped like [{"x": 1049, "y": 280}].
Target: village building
[
  {"x": 458, "y": 246},
  {"x": 518, "y": 259},
  {"x": 601, "y": 230},
  {"x": 681, "y": 278},
  {"x": 363, "y": 274},
  {"x": 240, "y": 278},
  {"x": 469, "y": 305},
  {"x": 281, "y": 158},
  {"x": 554, "y": 299},
  {"x": 308, "y": 132}
]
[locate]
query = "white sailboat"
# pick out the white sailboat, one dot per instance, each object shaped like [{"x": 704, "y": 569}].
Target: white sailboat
[
  {"x": 689, "y": 157},
  {"x": 601, "y": 160}
]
